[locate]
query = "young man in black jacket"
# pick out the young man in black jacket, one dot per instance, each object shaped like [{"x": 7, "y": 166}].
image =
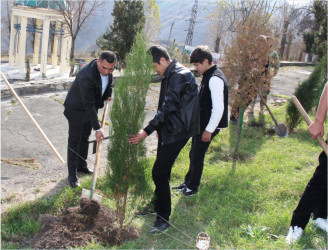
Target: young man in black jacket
[
  {"x": 213, "y": 99},
  {"x": 91, "y": 87},
  {"x": 177, "y": 120}
]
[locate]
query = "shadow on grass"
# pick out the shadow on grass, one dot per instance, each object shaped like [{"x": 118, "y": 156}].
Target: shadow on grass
[{"x": 251, "y": 141}]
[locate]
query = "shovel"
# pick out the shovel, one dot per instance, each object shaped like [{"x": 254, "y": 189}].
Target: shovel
[
  {"x": 308, "y": 121},
  {"x": 279, "y": 129},
  {"x": 90, "y": 202}
]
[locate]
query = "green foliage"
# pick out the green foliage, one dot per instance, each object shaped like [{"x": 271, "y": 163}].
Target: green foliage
[
  {"x": 308, "y": 93},
  {"x": 129, "y": 17},
  {"x": 28, "y": 71},
  {"x": 320, "y": 14},
  {"x": 126, "y": 162},
  {"x": 308, "y": 39}
]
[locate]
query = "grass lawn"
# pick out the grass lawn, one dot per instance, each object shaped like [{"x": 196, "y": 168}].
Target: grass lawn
[{"x": 243, "y": 204}]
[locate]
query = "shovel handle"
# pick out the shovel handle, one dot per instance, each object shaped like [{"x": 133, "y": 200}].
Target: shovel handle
[
  {"x": 266, "y": 105},
  {"x": 104, "y": 115},
  {"x": 308, "y": 121},
  {"x": 95, "y": 171}
]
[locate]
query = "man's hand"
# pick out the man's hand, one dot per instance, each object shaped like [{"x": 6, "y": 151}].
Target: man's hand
[
  {"x": 316, "y": 129},
  {"x": 206, "y": 137},
  {"x": 109, "y": 98},
  {"x": 135, "y": 139},
  {"x": 99, "y": 136}
]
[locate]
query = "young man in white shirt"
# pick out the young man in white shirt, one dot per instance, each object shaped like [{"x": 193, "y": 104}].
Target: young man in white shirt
[{"x": 213, "y": 98}]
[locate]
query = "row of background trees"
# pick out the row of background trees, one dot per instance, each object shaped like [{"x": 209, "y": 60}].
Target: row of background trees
[
  {"x": 289, "y": 23},
  {"x": 296, "y": 28}
]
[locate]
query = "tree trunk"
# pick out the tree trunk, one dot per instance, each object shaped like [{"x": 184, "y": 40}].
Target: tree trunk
[
  {"x": 71, "y": 58},
  {"x": 217, "y": 44},
  {"x": 283, "y": 39},
  {"x": 300, "y": 58},
  {"x": 289, "y": 44},
  {"x": 121, "y": 218},
  {"x": 240, "y": 126}
]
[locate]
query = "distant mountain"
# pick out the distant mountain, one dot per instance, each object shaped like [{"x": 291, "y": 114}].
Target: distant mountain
[{"x": 171, "y": 11}]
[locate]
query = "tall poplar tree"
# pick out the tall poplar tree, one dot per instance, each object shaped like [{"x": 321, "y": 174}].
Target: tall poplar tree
[
  {"x": 152, "y": 27},
  {"x": 129, "y": 17},
  {"x": 126, "y": 162}
]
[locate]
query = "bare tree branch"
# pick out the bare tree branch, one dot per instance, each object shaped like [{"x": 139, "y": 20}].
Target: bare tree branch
[{"x": 75, "y": 14}]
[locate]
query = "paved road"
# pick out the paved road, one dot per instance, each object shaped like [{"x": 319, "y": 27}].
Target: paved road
[{"x": 20, "y": 139}]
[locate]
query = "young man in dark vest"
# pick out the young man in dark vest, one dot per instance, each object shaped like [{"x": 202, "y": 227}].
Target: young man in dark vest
[{"x": 213, "y": 98}]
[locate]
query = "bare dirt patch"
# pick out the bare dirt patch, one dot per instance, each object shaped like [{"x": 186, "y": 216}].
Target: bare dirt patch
[{"x": 71, "y": 229}]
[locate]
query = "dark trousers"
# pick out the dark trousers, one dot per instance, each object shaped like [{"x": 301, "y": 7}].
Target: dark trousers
[
  {"x": 78, "y": 146},
  {"x": 314, "y": 198},
  {"x": 166, "y": 155},
  {"x": 197, "y": 155}
]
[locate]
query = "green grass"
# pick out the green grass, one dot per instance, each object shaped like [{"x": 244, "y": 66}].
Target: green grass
[{"x": 243, "y": 204}]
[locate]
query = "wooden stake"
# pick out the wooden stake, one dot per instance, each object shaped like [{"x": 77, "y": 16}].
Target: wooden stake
[
  {"x": 308, "y": 121},
  {"x": 31, "y": 117}
]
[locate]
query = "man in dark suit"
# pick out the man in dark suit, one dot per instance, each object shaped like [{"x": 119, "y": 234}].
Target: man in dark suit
[{"x": 91, "y": 87}]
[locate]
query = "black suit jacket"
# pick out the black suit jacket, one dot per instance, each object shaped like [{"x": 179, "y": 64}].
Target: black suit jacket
[{"x": 84, "y": 98}]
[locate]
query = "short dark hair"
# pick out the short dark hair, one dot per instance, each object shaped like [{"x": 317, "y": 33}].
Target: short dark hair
[
  {"x": 200, "y": 53},
  {"x": 157, "y": 52},
  {"x": 109, "y": 56}
]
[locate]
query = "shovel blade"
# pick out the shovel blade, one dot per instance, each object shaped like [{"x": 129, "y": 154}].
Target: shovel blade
[
  {"x": 281, "y": 130},
  {"x": 87, "y": 193}
]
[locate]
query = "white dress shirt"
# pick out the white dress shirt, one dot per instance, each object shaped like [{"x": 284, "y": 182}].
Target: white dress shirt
[
  {"x": 104, "y": 83},
  {"x": 216, "y": 86}
]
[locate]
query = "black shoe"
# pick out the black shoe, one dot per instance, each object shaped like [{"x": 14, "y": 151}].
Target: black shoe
[
  {"x": 148, "y": 209},
  {"x": 84, "y": 170},
  {"x": 73, "y": 182},
  {"x": 181, "y": 186},
  {"x": 188, "y": 192},
  {"x": 160, "y": 226}
]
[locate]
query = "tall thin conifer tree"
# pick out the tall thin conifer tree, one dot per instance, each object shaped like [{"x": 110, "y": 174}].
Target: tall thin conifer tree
[{"x": 126, "y": 162}]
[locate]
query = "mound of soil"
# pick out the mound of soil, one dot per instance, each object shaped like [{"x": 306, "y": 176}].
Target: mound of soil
[
  {"x": 71, "y": 229},
  {"x": 89, "y": 207}
]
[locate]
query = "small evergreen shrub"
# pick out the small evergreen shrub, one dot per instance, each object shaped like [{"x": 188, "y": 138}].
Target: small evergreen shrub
[{"x": 308, "y": 93}]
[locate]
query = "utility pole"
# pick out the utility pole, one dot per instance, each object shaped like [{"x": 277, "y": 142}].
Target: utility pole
[
  {"x": 192, "y": 22},
  {"x": 168, "y": 41}
]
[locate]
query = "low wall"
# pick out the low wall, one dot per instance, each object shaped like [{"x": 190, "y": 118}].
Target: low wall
[{"x": 53, "y": 85}]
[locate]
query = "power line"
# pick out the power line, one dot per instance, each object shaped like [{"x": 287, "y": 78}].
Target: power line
[{"x": 192, "y": 22}]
